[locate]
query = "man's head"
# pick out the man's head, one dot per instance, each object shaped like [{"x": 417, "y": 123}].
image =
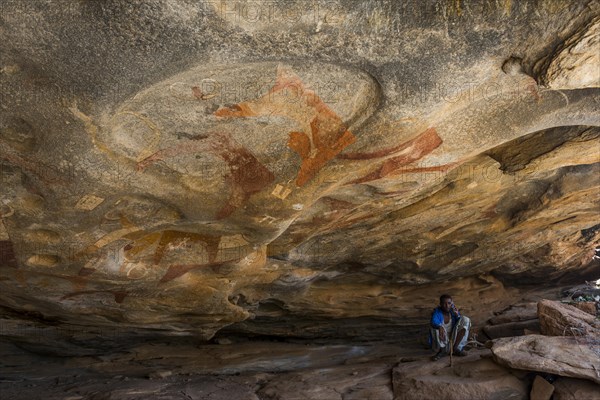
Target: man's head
[{"x": 446, "y": 302}]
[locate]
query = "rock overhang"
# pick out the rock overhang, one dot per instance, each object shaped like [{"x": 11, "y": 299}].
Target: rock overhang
[{"x": 184, "y": 167}]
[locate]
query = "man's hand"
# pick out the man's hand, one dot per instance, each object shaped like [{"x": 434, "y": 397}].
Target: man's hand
[{"x": 442, "y": 334}]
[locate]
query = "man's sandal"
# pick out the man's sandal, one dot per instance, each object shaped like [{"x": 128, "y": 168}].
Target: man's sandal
[
  {"x": 460, "y": 353},
  {"x": 437, "y": 356}
]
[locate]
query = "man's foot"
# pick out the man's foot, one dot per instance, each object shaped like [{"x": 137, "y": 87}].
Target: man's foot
[
  {"x": 460, "y": 353},
  {"x": 439, "y": 355}
]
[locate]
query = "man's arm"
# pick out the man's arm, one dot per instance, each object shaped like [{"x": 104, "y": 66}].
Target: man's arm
[
  {"x": 437, "y": 319},
  {"x": 437, "y": 322}
]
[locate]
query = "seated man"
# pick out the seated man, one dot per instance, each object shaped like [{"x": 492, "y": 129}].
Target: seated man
[{"x": 447, "y": 324}]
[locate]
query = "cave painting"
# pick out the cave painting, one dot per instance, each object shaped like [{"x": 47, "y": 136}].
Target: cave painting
[
  {"x": 220, "y": 250},
  {"x": 175, "y": 271},
  {"x": 151, "y": 248},
  {"x": 172, "y": 239},
  {"x": 7, "y": 254},
  {"x": 80, "y": 280},
  {"x": 46, "y": 174},
  {"x": 338, "y": 208},
  {"x": 165, "y": 241},
  {"x": 247, "y": 175},
  {"x": 409, "y": 152},
  {"x": 324, "y": 134},
  {"x": 119, "y": 295}
]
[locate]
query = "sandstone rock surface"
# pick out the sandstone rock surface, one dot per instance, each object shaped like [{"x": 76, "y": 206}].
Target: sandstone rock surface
[
  {"x": 589, "y": 307},
  {"x": 559, "y": 319},
  {"x": 247, "y": 370},
  {"x": 511, "y": 328},
  {"x": 308, "y": 169},
  {"x": 577, "y": 62},
  {"x": 516, "y": 313},
  {"x": 541, "y": 389},
  {"x": 174, "y": 172},
  {"x": 575, "y": 357},
  {"x": 471, "y": 377},
  {"x": 575, "y": 389}
]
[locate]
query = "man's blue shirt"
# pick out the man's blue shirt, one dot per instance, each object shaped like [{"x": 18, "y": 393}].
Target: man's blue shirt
[{"x": 437, "y": 317}]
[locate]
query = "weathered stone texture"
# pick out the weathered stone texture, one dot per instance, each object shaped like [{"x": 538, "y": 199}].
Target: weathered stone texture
[{"x": 306, "y": 169}]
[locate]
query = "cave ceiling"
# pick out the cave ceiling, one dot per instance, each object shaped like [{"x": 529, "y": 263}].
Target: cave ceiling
[{"x": 189, "y": 166}]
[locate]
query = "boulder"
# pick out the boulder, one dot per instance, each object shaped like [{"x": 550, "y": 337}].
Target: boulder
[
  {"x": 575, "y": 389},
  {"x": 569, "y": 356},
  {"x": 587, "y": 306},
  {"x": 515, "y": 313},
  {"x": 558, "y": 319},
  {"x": 541, "y": 390},
  {"x": 510, "y": 329},
  {"x": 471, "y": 377}
]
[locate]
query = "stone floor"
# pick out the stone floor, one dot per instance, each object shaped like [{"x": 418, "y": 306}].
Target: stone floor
[
  {"x": 229, "y": 367},
  {"x": 242, "y": 370}
]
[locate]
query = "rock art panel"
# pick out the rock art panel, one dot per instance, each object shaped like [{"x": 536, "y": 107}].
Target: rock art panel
[
  {"x": 169, "y": 239},
  {"x": 246, "y": 174},
  {"x": 162, "y": 256},
  {"x": 408, "y": 153},
  {"x": 88, "y": 202},
  {"x": 43, "y": 260},
  {"x": 225, "y": 253},
  {"x": 43, "y": 173},
  {"x": 175, "y": 271},
  {"x": 238, "y": 130},
  {"x": 118, "y": 295},
  {"x": 326, "y": 134},
  {"x": 7, "y": 254}
]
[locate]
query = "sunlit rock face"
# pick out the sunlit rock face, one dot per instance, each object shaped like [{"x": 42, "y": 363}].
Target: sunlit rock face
[{"x": 291, "y": 169}]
